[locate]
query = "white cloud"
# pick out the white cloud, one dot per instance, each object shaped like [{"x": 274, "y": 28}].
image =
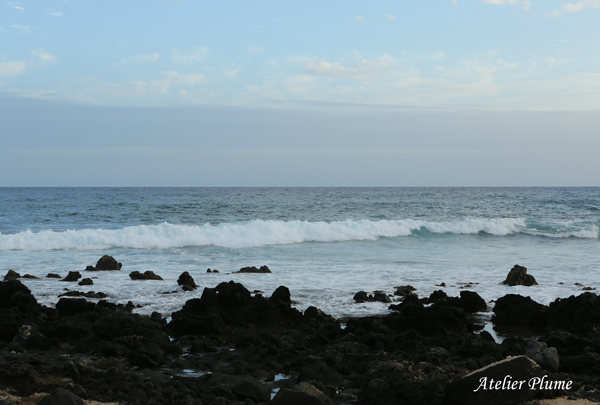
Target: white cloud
[
  {"x": 437, "y": 55},
  {"x": 572, "y": 8},
  {"x": 191, "y": 56},
  {"x": 187, "y": 78},
  {"x": 520, "y": 3},
  {"x": 455, "y": 3},
  {"x": 139, "y": 59},
  {"x": 16, "y": 6},
  {"x": 22, "y": 28},
  {"x": 553, "y": 14},
  {"x": 11, "y": 68},
  {"x": 56, "y": 14},
  {"x": 391, "y": 17},
  {"x": 360, "y": 18},
  {"x": 327, "y": 69},
  {"x": 44, "y": 56},
  {"x": 254, "y": 48},
  {"x": 554, "y": 61},
  {"x": 232, "y": 71}
]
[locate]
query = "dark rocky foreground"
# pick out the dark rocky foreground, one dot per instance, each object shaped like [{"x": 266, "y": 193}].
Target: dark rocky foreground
[{"x": 232, "y": 347}]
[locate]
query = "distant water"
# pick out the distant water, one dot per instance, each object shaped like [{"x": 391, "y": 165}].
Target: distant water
[{"x": 324, "y": 244}]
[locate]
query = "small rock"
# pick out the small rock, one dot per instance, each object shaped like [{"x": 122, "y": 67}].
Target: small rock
[
  {"x": 404, "y": 290},
  {"x": 147, "y": 275},
  {"x": 72, "y": 276},
  {"x": 53, "y": 275},
  {"x": 86, "y": 281},
  {"x": 107, "y": 262},
  {"x": 263, "y": 269},
  {"x": 12, "y": 275},
  {"x": 546, "y": 357},
  {"x": 518, "y": 276},
  {"x": 31, "y": 277},
  {"x": 361, "y": 296},
  {"x": 186, "y": 281}
]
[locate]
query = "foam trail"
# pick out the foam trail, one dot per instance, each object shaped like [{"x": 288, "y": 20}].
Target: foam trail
[{"x": 261, "y": 233}]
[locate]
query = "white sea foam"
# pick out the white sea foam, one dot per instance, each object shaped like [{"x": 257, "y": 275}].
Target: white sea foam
[{"x": 261, "y": 233}]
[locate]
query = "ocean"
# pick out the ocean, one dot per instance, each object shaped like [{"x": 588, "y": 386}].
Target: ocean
[{"x": 324, "y": 244}]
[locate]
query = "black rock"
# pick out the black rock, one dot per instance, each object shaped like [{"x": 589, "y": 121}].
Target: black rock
[
  {"x": 262, "y": 269},
  {"x": 282, "y": 294},
  {"x": 518, "y": 276},
  {"x": 53, "y": 275},
  {"x": 107, "y": 262},
  {"x": 361, "y": 296},
  {"x": 186, "y": 280},
  {"x": 86, "y": 281},
  {"x": 147, "y": 275},
  {"x": 61, "y": 397},
  {"x": 579, "y": 314},
  {"x": 471, "y": 302},
  {"x": 11, "y": 275},
  {"x": 514, "y": 310},
  {"x": 72, "y": 276}
]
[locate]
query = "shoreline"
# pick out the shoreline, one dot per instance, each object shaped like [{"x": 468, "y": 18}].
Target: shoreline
[{"x": 230, "y": 346}]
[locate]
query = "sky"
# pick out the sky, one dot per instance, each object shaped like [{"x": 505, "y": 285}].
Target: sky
[{"x": 266, "y": 93}]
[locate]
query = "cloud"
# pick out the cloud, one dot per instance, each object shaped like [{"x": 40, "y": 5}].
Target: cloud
[
  {"x": 232, "y": 71},
  {"x": 360, "y": 18},
  {"x": 254, "y": 48},
  {"x": 553, "y": 14},
  {"x": 520, "y": 3},
  {"x": 56, "y": 14},
  {"x": 455, "y": 3},
  {"x": 15, "y": 6},
  {"x": 11, "y": 68},
  {"x": 334, "y": 70},
  {"x": 44, "y": 56},
  {"x": 572, "y": 8},
  {"x": 391, "y": 17},
  {"x": 22, "y": 28},
  {"x": 187, "y": 78},
  {"x": 139, "y": 59},
  {"x": 191, "y": 56}
]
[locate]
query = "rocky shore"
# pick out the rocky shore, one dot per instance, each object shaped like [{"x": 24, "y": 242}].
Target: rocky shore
[{"x": 232, "y": 346}]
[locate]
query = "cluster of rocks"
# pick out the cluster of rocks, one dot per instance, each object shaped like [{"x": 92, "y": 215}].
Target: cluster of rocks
[{"x": 244, "y": 348}]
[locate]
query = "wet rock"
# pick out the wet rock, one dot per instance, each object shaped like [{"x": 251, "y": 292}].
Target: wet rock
[
  {"x": 11, "y": 275},
  {"x": 30, "y": 277},
  {"x": 579, "y": 314},
  {"x": 479, "y": 386},
  {"x": 13, "y": 293},
  {"x": 147, "y": 275},
  {"x": 518, "y": 276},
  {"x": 546, "y": 357},
  {"x": 301, "y": 394},
  {"x": 186, "y": 281},
  {"x": 404, "y": 290},
  {"x": 72, "y": 306},
  {"x": 437, "y": 296},
  {"x": 107, "y": 262},
  {"x": 471, "y": 302},
  {"x": 361, "y": 296},
  {"x": 72, "y": 276},
  {"x": 53, "y": 275},
  {"x": 86, "y": 281},
  {"x": 251, "y": 388},
  {"x": 61, "y": 397},
  {"x": 517, "y": 311},
  {"x": 282, "y": 294},
  {"x": 88, "y": 294},
  {"x": 381, "y": 297},
  {"x": 90, "y": 268},
  {"x": 262, "y": 269}
]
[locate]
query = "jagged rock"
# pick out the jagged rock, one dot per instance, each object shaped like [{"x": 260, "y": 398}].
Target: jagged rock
[
  {"x": 262, "y": 269},
  {"x": 471, "y": 302},
  {"x": 72, "y": 276},
  {"x": 404, "y": 290},
  {"x": 251, "y": 388},
  {"x": 11, "y": 275},
  {"x": 546, "y": 357},
  {"x": 516, "y": 310},
  {"x": 107, "y": 262},
  {"x": 479, "y": 386},
  {"x": 13, "y": 293},
  {"x": 301, "y": 394},
  {"x": 282, "y": 294},
  {"x": 61, "y": 397},
  {"x": 147, "y": 275},
  {"x": 86, "y": 281},
  {"x": 186, "y": 281},
  {"x": 579, "y": 314},
  {"x": 361, "y": 296},
  {"x": 437, "y": 296},
  {"x": 518, "y": 276}
]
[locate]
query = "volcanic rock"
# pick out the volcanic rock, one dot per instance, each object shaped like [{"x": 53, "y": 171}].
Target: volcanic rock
[
  {"x": 302, "y": 394},
  {"x": 147, "y": 275},
  {"x": 72, "y": 276},
  {"x": 473, "y": 388},
  {"x": 518, "y": 276},
  {"x": 53, "y": 275},
  {"x": 186, "y": 281},
  {"x": 404, "y": 290},
  {"x": 546, "y": 357},
  {"x": 86, "y": 281},
  {"x": 107, "y": 262},
  {"x": 11, "y": 275},
  {"x": 579, "y": 314},
  {"x": 515, "y": 311},
  {"x": 253, "y": 269}
]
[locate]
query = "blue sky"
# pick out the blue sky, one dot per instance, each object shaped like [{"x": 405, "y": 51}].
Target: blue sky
[{"x": 391, "y": 68}]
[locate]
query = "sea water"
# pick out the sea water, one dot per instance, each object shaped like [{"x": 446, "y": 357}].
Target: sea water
[{"x": 324, "y": 244}]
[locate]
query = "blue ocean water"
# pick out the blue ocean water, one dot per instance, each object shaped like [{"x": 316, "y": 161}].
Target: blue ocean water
[{"x": 324, "y": 244}]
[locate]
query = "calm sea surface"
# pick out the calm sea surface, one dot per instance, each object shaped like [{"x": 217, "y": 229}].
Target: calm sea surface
[{"x": 324, "y": 244}]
